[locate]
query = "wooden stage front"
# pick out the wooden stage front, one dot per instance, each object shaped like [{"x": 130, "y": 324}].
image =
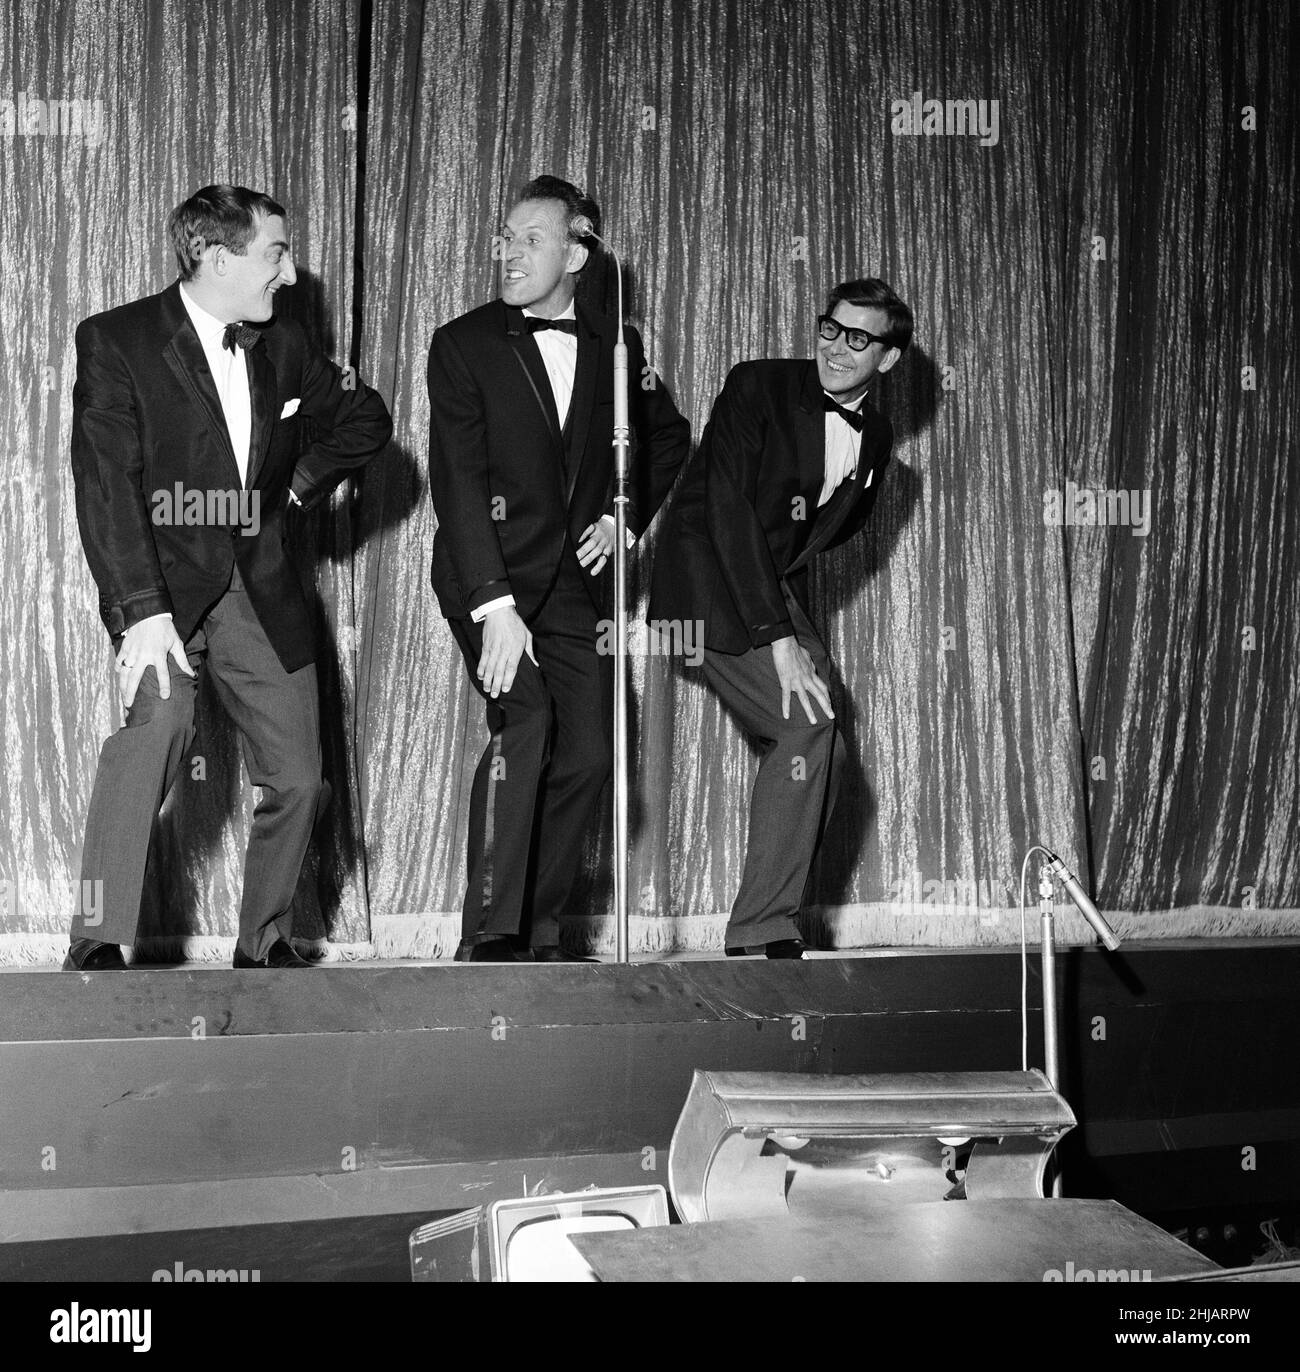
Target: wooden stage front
[{"x": 305, "y": 1123}]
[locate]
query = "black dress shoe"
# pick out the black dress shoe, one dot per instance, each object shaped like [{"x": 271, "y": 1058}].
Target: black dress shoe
[
  {"x": 90, "y": 955},
  {"x": 557, "y": 954},
  {"x": 490, "y": 950},
  {"x": 280, "y": 954},
  {"x": 778, "y": 948}
]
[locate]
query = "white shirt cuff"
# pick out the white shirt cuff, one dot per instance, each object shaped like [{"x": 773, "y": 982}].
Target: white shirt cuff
[{"x": 479, "y": 615}]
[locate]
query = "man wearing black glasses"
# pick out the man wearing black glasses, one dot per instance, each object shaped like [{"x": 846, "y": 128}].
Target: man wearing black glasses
[{"x": 789, "y": 465}]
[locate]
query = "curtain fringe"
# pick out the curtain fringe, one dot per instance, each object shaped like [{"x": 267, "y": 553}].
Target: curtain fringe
[
  {"x": 435, "y": 935},
  {"x": 37, "y": 950}
]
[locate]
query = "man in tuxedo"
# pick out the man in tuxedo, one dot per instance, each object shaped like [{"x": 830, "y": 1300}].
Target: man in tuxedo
[
  {"x": 187, "y": 448},
  {"x": 790, "y": 465},
  {"x": 521, "y": 470}
]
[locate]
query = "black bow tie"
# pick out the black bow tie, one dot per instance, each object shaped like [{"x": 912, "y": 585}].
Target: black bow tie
[
  {"x": 535, "y": 325},
  {"x": 243, "y": 334},
  {"x": 854, "y": 417}
]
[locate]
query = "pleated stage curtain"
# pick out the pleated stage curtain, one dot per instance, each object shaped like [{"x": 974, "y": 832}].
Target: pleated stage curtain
[{"x": 1102, "y": 280}]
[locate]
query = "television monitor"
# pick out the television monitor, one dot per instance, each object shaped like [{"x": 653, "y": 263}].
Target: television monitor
[{"x": 526, "y": 1238}]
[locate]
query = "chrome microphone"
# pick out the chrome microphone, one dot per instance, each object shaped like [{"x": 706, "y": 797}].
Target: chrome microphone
[{"x": 1083, "y": 903}]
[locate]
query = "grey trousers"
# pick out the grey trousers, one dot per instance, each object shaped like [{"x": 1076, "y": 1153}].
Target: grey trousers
[
  {"x": 277, "y": 714},
  {"x": 793, "y": 793}
]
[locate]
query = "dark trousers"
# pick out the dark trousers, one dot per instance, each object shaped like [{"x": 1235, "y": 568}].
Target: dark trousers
[
  {"x": 542, "y": 772},
  {"x": 793, "y": 793},
  {"x": 277, "y": 714}
]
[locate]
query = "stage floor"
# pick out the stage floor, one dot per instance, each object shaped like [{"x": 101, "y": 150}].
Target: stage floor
[{"x": 171, "y": 1103}]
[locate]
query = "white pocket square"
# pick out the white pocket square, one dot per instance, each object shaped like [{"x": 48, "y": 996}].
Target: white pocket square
[{"x": 290, "y": 408}]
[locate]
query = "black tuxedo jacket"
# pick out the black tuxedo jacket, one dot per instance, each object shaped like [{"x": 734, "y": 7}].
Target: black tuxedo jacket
[
  {"x": 146, "y": 417},
  {"x": 745, "y": 521},
  {"x": 507, "y": 483}
]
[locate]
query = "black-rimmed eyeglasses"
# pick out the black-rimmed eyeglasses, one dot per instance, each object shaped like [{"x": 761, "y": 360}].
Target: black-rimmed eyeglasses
[{"x": 858, "y": 339}]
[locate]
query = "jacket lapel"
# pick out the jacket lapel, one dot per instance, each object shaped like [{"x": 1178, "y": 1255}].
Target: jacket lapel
[
  {"x": 583, "y": 400},
  {"x": 810, "y": 431},
  {"x": 809, "y": 418},
  {"x": 184, "y": 355},
  {"x": 529, "y": 357},
  {"x": 836, "y": 510},
  {"x": 261, "y": 388}
]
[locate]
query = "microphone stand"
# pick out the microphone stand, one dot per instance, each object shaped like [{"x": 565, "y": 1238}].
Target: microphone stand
[
  {"x": 622, "y": 448},
  {"x": 622, "y": 435},
  {"x": 1051, "y": 869},
  {"x": 1047, "y": 950},
  {"x": 1051, "y": 1044}
]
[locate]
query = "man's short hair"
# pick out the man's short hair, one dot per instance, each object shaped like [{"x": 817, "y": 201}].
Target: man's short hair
[
  {"x": 224, "y": 216},
  {"x": 870, "y": 292},
  {"x": 575, "y": 204}
]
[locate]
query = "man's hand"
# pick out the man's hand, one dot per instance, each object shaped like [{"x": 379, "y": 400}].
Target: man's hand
[
  {"x": 505, "y": 640},
  {"x": 798, "y": 676},
  {"x": 149, "y": 644},
  {"x": 597, "y": 544}
]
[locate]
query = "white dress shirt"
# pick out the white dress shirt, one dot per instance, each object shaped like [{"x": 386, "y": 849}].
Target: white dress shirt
[
  {"x": 230, "y": 372},
  {"x": 559, "y": 352},
  {"x": 843, "y": 442}
]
